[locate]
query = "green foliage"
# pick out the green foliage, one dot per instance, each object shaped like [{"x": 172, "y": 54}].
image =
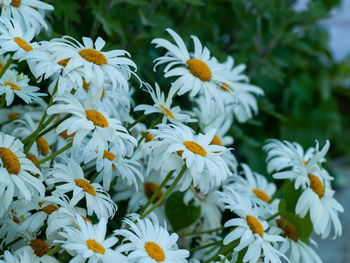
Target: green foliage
[
  {"x": 286, "y": 54},
  {"x": 286, "y": 209},
  {"x": 179, "y": 214}
]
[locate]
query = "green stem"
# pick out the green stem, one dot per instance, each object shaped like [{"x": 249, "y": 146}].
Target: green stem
[
  {"x": 94, "y": 176},
  {"x": 11, "y": 243},
  {"x": 155, "y": 194},
  {"x": 205, "y": 246},
  {"x": 54, "y": 250},
  {"x": 279, "y": 191},
  {"x": 154, "y": 123},
  {"x": 53, "y": 126},
  {"x": 2, "y": 101},
  {"x": 272, "y": 217},
  {"x": 7, "y": 65},
  {"x": 202, "y": 232},
  {"x": 172, "y": 186},
  {"x": 223, "y": 251},
  {"x": 40, "y": 126},
  {"x": 137, "y": 121},
  {"x": 55, "y": 154}
]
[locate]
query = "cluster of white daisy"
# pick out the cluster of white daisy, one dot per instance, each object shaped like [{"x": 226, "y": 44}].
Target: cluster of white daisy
[{"x": 74, "y": 152}]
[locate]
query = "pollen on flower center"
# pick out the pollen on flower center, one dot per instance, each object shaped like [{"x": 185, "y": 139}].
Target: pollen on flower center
[
  {"x": 40, "y": 247},
  {"x": 167, "y": 112},
  {"x": 65, "y": 135},
  {"x": 109, "y": 155},
  {"x": 95, "y": 246},
  {"x": 50, "y": 209},
  {"x": 261, "y": 195},
  {"x": 316, "y": 185},
  {"x": 87, "y": 220},
  {"x": 97, "y": 118},
  {"x": 150, "y": 188},
  {"x": 195, "y": 148},
  {"x": 63, "y": 62},
  {"x": 10, "y": 161},
  {"x": 216, "y": 141},
  {"x": 43, "y": 145},
  {"x": 16, "y": 3},
  {"x": 304, "y": 162},
  {"x": 199, "y": 69},
  {"x": 13, "y": 86},
  {"x": 155, "y": 251},
  {"x": 23, "y": 44},
  {"x": 289, "y": 229},
  {"x": 86, "y": 85},
  {"x": 93, "y": 56},
  {"x": 254, "y": 225},
  {"x": 149, "y": 137},
  {"x": 34, "y": 160},
  {"x": 86, "y": 186}
]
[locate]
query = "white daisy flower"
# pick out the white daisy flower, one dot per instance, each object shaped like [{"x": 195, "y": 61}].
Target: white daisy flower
[
  {"x": 289, "y": 159},
  {"x": 114, "y": 165},
  {"x": 299, "y": 250},
  {"x": 242, "y": 102},
  {"x": 37, "y": 252},
  {"x": 64, "y": 216},
  {"x": 318, "y": 199},
  {"x": 254, "y": 186},
  {"x": 27, "y": 12},
  {"x": 250, "y": 229},
  {"x": 211, "y": 211},
  {"x": 197, "y": 72},
  {"x": 150, "y": 243},
  {"x": 14, "y": 39},
  {"x": 87, "y": 120},
  {"x": 10, "y": 258},
  {"x": 92, "y": 63},
  {"x": 70, "y": 177},
  {"x": 87, "y": 242},
  {"x": 163, "y": 106},
  {"x": 16, "y": 171},
  {"x": 44, "y": 64},
  {"x": 12, "y": 84},
  {"x": 206, "y": 168}
]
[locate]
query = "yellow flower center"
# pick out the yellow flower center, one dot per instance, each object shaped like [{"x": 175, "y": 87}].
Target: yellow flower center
[
  {"x": 167, "y": 112},
  {"x": 86, "y": 186},
  {"x": 63, "y": 62},
  {"x": 195, "y": 148},
  {"x": 87, "y": 220},
  {"x": 149, "y": 137},
  {"x": 261, "y": 195},
  {"x": 199, "y": 69},
  {"x": 10, "y": 161},
  {"x": 50, "y": 209},
  {"x": 216, "y": 141},
  {"x": 16, "y": 220},
  {"x": 254, "y": 225},
  {"x": 13, "y": 86},
  {"x": 43, "y": 145},
  {"x": 16, "y": 3},
  {"x": 65, "y": 135},
  {"x": 155, "y": 251},
  {"x": 95, "y": 246},
  {"x": 109, "y": 155},
  {"x": 23, "y": 44},
  {"x": 150, "y": 188},
  {"x": 40, "y": 247},
  {"x": 289, "y": 229},
  {"x": 93, "y": 56},
  {"x": 1, "y": 67},
  {"x": 97, "y": 118},
  {"x": 225, "y": 87},
  {"x": 86, "y": 85},
  {"x": 304, "y": 162},
  {"x": 34, "y": 160},
  {"x": 316, "y": 185},
  {"x": 14, "y": 115}
]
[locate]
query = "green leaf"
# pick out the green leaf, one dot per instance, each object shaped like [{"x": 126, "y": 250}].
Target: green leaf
[
  {"x": 179, "y": 214},
  {"x": 286, "y": 209}
]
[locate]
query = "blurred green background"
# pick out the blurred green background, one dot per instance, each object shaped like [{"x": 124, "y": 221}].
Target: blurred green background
[{"x": 286, "y": 53}]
